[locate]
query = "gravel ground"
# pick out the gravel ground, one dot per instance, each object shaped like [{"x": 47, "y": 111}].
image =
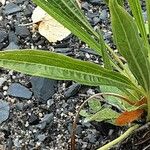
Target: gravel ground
[{"x": 41, "y": 110}]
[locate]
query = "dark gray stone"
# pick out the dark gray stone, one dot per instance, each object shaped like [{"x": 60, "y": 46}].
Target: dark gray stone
[
  {"x": 33, "y": 119},
  {"x": 19, "y": 106},
  {"x": 12, "y": 37},
  {"x": 3, "y": 36},
  {"x": 88, "y": 50},
  {"x": 96, "y": 2},
  {"x": 104, "y": 15},
  {"x": 92, "y": 138},
  {"x": 2, "y": 80},
  {"x": 62, "y": 50},
  {"x": 22, "y": 31},
  {"x": 4, "y": 111},
  {"x": 18, "y": 90},
  {"x": 85, "y": 5},
  {"x": 43, "y": 88},
  {"x": 28, "y": 12},
  {"x": 41, "y": 125},
  {"x": 50, "y": 102},
  {"x": 11, "y": 8},
  {"x": 92, "y": 15},
  {"x": 96, "y": 20},
  {"x": 48, "y": 118},
  {"x": 41, "y": 137},
  {"x": 12, "y": 46},
  {"x": 72, "y": 90},
  {"x": 20, "y": 1}
]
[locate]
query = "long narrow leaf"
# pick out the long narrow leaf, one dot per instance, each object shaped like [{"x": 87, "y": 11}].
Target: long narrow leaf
[
  {"x": 67, "y": 13},
  {"x": 57, "y": 13},
  {"x": 57, "y": 66},
  {"x": 148, "y": 13},
  {"x": 129, "y": 44},
  {"x": 137, "y": 13}
]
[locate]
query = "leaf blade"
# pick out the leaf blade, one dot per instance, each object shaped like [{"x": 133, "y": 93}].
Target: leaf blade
[
  {"x": 57, "y": 66},
  {"x": 137, "y": 13},
  {"x": 103, "y": 115},
  {"x": 129, "y": 44}
]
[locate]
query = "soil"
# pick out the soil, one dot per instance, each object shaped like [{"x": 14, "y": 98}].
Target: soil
[{"x": 42, "y": 110}]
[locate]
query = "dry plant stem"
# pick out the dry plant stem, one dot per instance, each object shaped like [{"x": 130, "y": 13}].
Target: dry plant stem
[
  {"x": 73, "y": 145},
  {"x": 120, "y": 138},
  {"x": 78, "y": 2}
]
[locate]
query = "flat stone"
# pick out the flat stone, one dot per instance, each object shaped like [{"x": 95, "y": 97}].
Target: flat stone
[
  {"x": 41, "y": 137},
  {"x": 72, "y": 90},
  {"x": 92, "y": 15},
  {"x": 88, "y": 50},
  {"x": 11, "y": 8},
  {"x": 85, "y": 5},
  {"x": 20, "y": 1},
  {"x": 22, "y": 31},
  {"x": 43, "y": 88},
  {"x": 2, "y": 80},
  {"x": 41, "y": 125},
  {"x": 12, "y": 46},
  {"x": 33, "y": 119},
  {"x": 48, "y": 118},
  {"x": 18, "y": 90},
  {"x": 50, "y": 102},
  {"x": 96, "y": 20},
  {"x": 4, "y": 111},
  {"x": 96, "y": 2},
  {"x": 104, "y": 15},
  {"x": 3, "y": 36},
  {"x": 92, "y": 138},
  {"x": 19, "y": 106},
  {"x": 12, "y": 37},
  {"x": 28, "y": 12}
]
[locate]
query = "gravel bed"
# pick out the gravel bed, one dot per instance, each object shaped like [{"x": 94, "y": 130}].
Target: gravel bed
[{"x": 41, "y": 110}]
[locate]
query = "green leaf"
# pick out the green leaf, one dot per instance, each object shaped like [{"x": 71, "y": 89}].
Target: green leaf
[
  {"x": 147, "y": 28},
  {"x": 102, "y": 115},
  {"x": 129, "y": 44},
  {"x": 118, "y": 103},
  {"x": 106, "y": 58},
  {"x": 148, "y": 14},
  {"x": 137, "y": 13},
  {"x": 95, "y": 105},
  {"x": 57, "y": 66},
  {"x": 84, "y": 113},
  {"x": 66, "y": 19},
  {"x": 67, "y": 13}
]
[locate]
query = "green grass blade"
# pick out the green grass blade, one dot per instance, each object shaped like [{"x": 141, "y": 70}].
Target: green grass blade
[
  {"x": 148, "y": 13},
  {"x": 137, "y": 13},
  {"x": 57, "y": 66},
  {"x": 130, "y": 44}
]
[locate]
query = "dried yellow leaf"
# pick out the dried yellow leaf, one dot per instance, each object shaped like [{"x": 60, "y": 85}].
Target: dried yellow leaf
[{"x": 48, "y": 27}]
